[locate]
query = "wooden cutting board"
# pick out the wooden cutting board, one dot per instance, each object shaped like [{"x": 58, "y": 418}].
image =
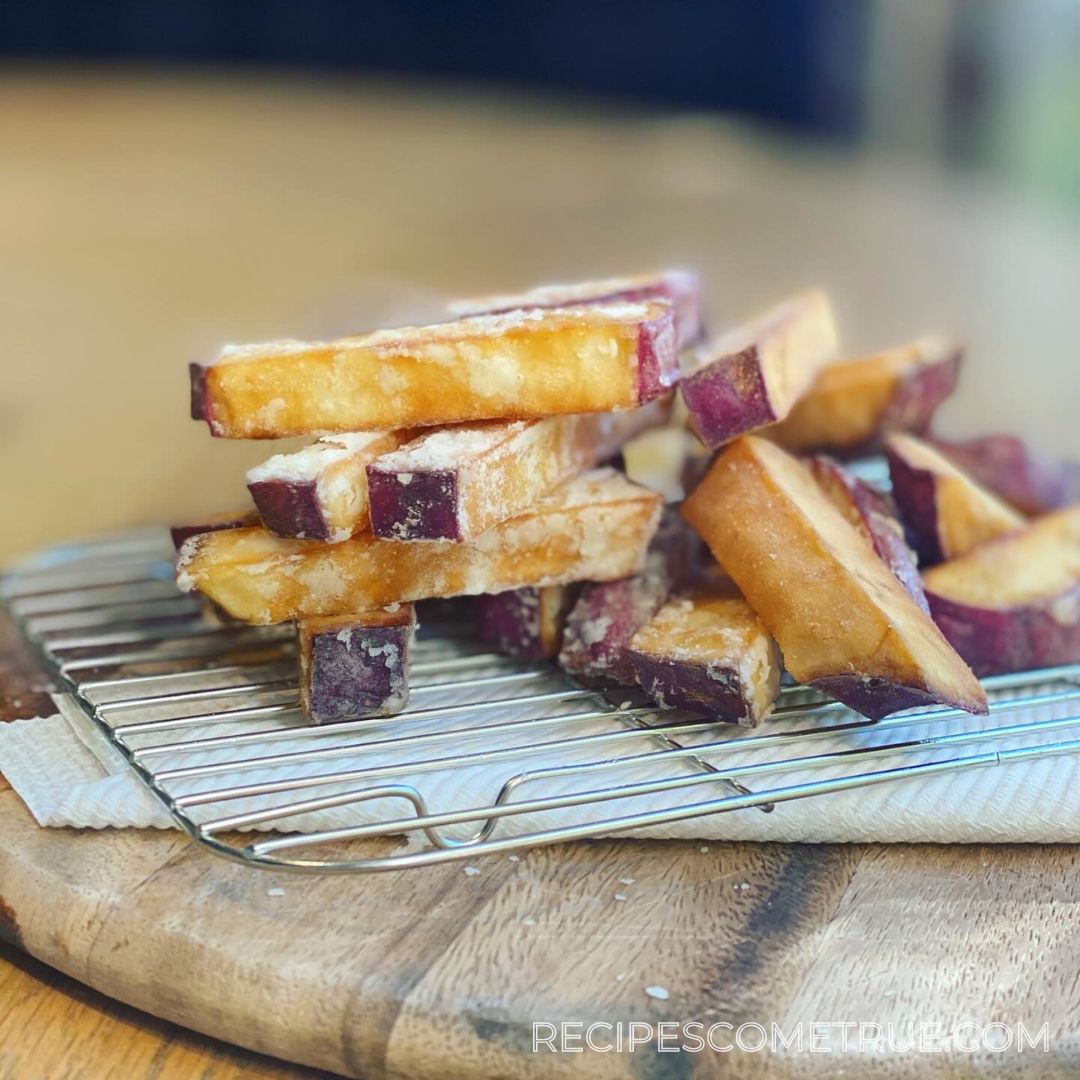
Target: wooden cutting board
[{"x": 439, "y": 974}]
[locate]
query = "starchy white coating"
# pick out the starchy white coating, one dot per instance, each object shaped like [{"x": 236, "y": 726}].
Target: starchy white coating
[
  {"x": 596, "y": 527},
  {"x": 309, "y": 462}
]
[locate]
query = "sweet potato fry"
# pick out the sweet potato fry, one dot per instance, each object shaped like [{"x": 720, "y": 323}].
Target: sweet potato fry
[
  {"x": 607, "y": 614},
  {"x": 231, "y": 519},
  {"x": 753, "y": 375},
  {"x": 355, "y": 665},
  {"x": 321, "y": 491},
  {"x": 842, "y": 620},
  {"x": 1004, "y": 465},
  {"x": 679, "y": 288},
  {"x": 946, "y": 512},
  {"x": 1014, "y": 603},
  {"x": 870, "y": 512},
  {"x": 515, "y": 365},
  {"x": 597, "y": 527},
  {"x": 456, "y": 483},
  {"x": 852, "y": 403},
  {"x": 528, "y": 622},
  {"x": 706, "y": 650}
]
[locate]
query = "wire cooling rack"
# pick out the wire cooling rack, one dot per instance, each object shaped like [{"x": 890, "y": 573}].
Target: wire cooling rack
[{"x": 492, "y": 755}]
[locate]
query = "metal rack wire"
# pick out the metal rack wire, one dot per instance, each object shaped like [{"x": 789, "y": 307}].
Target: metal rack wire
[{"x": 492, "y": 755}]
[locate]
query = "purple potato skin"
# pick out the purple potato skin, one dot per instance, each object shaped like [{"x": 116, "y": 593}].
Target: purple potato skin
[
  {"x": 607, "y": 614},
  {"x": 513, "y": 622},
  {"x": 919, "y": 396},
  {"x": 880, "y": 524},
  {"x": 915, "y": 492},
  {"x": 290, "y": 508},
  {"x": 510, "y": 622},
  {"x": 676, "y": 684},
  {"x": 423, "y": 509},
  {"x": 199, "y": 404},
  {"x": 876, "y": 697},
  {"x": 1021, "y": 638},
  {"x": 241, "y": 520},
  {"x": 428, "y": 506},
  {"x": 727, "y": 398},
  {"x": 887, "y": 537},
  {"x": 364, "y": 675},
  {"x": 658, "y": 357},
  {"x": 679, "y": 290},
  {"x": 605, "y": 618},
  {"x": 1005, "y": 466},
  {"x": 683, "y": 292}
]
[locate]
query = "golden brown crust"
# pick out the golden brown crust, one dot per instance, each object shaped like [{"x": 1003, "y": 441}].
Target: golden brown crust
[
  {"x": 753, "y": 375},
  {"x": 833, "y": 606},
  {"x": 945, "y": 509},
  {"x": 1039, "y": 563},
  {"x": 596, "y": 527},
  {"x": 853, "y": 401},
  {"x": 518, "y": 365}
]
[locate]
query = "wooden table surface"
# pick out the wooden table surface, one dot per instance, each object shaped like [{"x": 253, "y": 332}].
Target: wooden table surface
[{"x": 144, "y": 221}]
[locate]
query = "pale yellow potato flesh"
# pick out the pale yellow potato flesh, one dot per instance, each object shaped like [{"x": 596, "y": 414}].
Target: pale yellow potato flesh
[
  {"x": 507, "y": 366},
  {"x": 966, "y": 514},
  {"x": 1037, "y": 564},
  {"x": 845, "y": 406}
]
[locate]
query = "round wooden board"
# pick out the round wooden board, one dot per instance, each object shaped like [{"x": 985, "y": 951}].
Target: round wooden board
[{"x": 440, "y": 974}]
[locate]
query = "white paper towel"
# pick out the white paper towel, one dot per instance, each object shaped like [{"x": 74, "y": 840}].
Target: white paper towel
[{"x": 69, "y": 775}]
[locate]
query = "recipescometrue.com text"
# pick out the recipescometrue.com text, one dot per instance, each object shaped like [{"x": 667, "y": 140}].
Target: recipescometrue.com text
[{"x": 820, "y": 1037}]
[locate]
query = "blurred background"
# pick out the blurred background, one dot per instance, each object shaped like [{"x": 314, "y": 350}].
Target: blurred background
[{"x": 179, "y": 175}]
